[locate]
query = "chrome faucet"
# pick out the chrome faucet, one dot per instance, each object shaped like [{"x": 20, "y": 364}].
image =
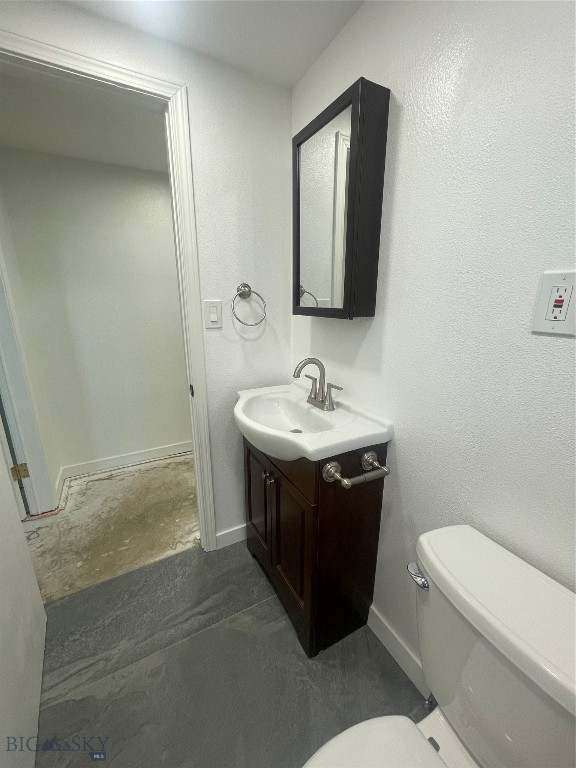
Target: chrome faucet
[{"x": 320, "y": 395}]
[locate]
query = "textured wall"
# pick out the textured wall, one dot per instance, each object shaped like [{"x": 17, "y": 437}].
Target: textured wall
[
  {"x": 478, "y": 201},
  {"x": 240, "y": 133},
  {"x": 93, "y": 273}
]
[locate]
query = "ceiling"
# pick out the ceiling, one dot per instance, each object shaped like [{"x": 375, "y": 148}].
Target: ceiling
[
  {"x": 278, "y": 40},
  {"x": 61, "y": 115}
]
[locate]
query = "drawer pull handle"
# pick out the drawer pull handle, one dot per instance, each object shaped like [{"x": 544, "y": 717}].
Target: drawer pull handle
[{"x": 374, "y": 471}]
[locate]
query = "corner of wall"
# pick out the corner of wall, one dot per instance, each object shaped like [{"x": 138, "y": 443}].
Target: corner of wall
[{"x": 398, "y": 649}]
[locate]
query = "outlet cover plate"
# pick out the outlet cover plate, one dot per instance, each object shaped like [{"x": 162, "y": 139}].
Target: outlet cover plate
[{"x": 550, "y": 281}]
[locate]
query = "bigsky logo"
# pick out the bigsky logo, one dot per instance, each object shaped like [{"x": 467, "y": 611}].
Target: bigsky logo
[{"x": 94, "y": 746}]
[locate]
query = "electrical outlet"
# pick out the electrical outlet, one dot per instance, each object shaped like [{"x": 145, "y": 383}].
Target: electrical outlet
[
  {"x": 559, "y": 302},
  {"x": 555, "y": 305}
]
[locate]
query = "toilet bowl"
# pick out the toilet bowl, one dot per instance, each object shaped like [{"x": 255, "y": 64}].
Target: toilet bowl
[
  {"x": 394, "y": 742},
  {"x": 383, "y": 742},
  {"x": 497, "y": 641}
]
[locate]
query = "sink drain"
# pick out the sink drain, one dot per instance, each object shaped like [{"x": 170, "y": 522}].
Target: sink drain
[{"x": 299, "y": 431}]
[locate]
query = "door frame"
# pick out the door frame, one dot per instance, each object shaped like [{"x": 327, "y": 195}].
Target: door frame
[
  {"x": 11, "y": 445},
  {"x": 175, "y": 97},
  {"x": 15, "y": 392}
]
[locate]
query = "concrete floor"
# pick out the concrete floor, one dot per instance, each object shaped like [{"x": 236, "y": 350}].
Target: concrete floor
[
  {"x": 113, "y": 522},
  {"x": 191, "y": 662}
]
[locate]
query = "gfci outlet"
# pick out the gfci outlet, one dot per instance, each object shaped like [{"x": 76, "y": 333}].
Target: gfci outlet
[
  {"x": 559, "y": 302},
  {"x": 555, "y": 305}
]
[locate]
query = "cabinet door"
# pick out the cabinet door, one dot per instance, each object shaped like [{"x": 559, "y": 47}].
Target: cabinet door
[
  {"x": 258, "y": 522},
  {"x": 294, "y": 525}
]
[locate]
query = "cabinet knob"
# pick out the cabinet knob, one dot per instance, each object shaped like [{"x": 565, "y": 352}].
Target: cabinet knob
[
  {"x": 265, "y": 475},
  {"x": 270, "y": 480}
]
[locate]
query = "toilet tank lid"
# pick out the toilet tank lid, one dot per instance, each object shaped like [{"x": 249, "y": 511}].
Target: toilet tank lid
[{"x": 526, "y": 615}]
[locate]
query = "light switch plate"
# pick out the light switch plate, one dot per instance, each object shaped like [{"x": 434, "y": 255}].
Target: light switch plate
[
  {"x": 554, "y": 312},
  {"x": 212, "y": 313}
]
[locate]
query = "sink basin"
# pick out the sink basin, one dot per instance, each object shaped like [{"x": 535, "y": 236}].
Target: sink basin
[{"x": 280, "y": 422}]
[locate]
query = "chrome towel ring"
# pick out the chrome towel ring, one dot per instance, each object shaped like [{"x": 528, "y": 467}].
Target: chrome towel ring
[
  {"x": 303, "y": 291},
  {"x": 244, "y": 291}
]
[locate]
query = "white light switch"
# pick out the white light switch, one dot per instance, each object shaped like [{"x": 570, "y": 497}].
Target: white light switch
[
  {"x": 555, "y": 306},
  {"x": 212, "y": 313}
]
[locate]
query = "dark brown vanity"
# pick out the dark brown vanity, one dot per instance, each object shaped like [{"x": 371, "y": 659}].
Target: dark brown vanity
[{"x": 316, "y": 541}]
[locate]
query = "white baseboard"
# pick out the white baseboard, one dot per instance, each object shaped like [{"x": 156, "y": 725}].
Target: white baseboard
[
  {"x": 114, "y": 462},
  {"x": 231, "y": 536},
  {"x": 398, "y": 649}
]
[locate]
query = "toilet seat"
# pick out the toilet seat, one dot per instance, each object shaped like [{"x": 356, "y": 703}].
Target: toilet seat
[{"x": 383, "y": 742}]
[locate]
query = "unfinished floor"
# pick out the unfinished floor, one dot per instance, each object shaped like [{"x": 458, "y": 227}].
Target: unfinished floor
[{"x": 113, "y": 522}]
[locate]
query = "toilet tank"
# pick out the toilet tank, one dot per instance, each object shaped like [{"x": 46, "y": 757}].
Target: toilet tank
[{"x": 497, "y": 639}]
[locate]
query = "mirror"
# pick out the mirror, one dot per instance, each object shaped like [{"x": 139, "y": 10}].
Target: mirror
[
  {"x": 338, "y": 164},
  {"x": 324, "y": 163}
]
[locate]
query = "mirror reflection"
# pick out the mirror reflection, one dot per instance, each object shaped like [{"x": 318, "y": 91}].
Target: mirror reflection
[{"x": 324, "y": 159}]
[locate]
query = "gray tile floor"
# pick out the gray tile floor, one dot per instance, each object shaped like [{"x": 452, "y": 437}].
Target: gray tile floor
[{"x": 191, "y": 663}]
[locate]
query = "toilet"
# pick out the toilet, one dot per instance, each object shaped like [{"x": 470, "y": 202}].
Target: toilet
[{"x": 497, "y": 639}]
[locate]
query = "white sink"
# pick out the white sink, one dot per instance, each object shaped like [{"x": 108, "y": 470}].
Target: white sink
[{"x": 280, "y": 422}]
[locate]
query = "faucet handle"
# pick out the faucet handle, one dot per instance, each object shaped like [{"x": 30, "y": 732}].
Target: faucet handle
[
  {"x": 314, "y": 389},
  {"x": 329, "y": 406}
]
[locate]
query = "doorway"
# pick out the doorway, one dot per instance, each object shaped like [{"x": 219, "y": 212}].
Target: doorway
[{"x": 169, "y": 102}]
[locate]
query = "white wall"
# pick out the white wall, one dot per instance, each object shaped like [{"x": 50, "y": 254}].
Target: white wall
[
  {"x": 478, "y": 201},
  {"x": 93, "y": 276},
  {"x": 240, "y": 133},
  {"x": 22, "y": 631}
]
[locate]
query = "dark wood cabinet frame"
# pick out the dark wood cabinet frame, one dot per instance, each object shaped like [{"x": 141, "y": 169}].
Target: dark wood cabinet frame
[
  {"x": 368, "y": 133},
  {"x": 316, "y": 542}
]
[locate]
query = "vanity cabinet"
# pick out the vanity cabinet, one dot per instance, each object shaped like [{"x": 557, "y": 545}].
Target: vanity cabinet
[{"x": 316, "y": 541}]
